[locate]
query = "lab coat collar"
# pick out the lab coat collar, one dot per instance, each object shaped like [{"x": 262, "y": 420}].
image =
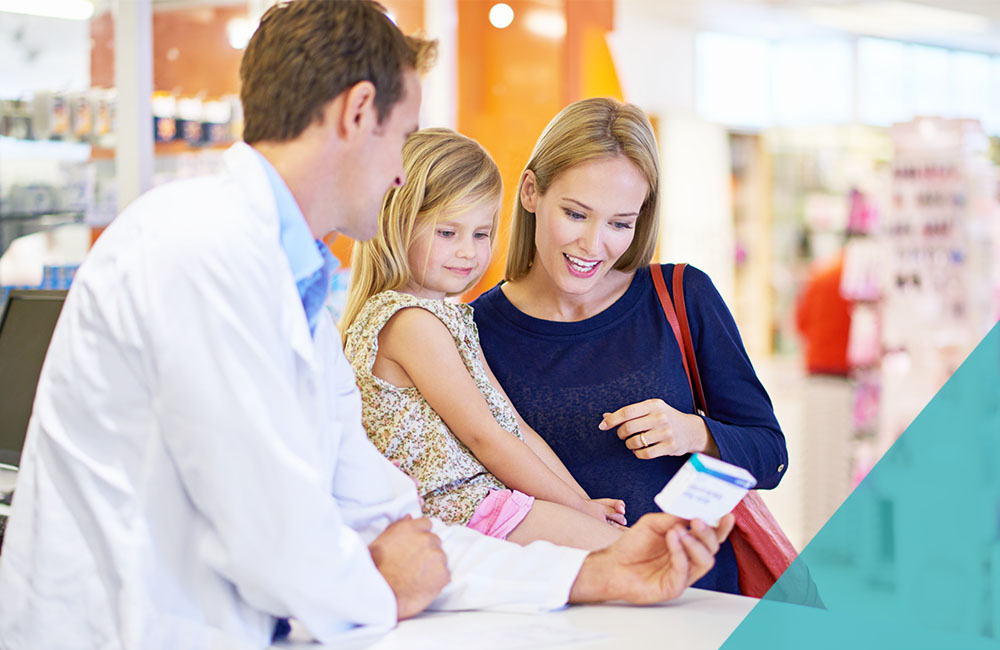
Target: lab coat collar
[{"x": 244, "y": 167}]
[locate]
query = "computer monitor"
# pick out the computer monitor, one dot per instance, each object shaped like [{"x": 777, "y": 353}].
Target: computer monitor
[{"x": 26, "y": 323}]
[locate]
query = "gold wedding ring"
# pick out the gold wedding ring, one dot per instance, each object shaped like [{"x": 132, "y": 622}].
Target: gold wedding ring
[{"x": 642, "y": 439}]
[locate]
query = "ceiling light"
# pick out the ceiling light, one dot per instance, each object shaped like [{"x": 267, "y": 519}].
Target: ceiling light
[
  {"x": 67, "y": 9},
  {"x": 501, "y": 15},
  {"x": 239, "y": 31}
]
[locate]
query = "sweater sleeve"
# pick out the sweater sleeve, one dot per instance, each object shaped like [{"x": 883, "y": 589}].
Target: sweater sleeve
[{"x": 742, "y": 420}]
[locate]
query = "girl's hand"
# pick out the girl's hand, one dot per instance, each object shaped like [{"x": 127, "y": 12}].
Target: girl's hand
[
  {"x": 614, "y": 510},
  {"x": 654, "y": 428},
  {"x": 603, "y": 510}
]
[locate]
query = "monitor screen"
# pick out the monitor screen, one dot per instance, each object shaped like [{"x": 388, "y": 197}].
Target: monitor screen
[{"x": 26, "y": 324}]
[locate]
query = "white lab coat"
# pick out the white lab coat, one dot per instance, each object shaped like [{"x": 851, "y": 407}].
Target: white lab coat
[{"x": 186, "y": 437}]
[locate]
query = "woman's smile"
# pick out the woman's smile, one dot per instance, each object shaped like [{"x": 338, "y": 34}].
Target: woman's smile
[{"x": 580, "y": 267}]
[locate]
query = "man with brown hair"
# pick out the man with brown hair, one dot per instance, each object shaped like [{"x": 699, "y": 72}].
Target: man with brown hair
[{"x": 195, "y": 467}]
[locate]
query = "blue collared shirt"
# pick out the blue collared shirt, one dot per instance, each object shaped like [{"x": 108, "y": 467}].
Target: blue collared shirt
[{"x": 311, "y": 261}]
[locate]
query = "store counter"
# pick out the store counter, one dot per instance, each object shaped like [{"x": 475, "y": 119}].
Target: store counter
[{"x": 698, "y": 620}]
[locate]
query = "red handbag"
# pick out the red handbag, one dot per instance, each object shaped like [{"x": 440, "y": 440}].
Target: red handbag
[{"x": 763, "y": 552}]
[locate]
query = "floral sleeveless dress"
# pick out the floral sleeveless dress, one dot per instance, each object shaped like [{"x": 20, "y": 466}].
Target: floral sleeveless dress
[{"x": 405, "y": 428}]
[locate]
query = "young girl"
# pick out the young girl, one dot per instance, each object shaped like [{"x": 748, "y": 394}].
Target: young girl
[{"x": 430, "y": 402}]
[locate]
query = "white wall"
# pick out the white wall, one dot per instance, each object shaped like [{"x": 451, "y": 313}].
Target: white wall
[
  {"x": 696, "y": 204},
  {"x": 655, "y": 61}
]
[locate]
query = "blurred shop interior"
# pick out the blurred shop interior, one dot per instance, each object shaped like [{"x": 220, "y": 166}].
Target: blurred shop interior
[{"x": 804, "y": 144}]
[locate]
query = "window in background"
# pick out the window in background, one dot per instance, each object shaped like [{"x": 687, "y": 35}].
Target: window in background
[
  {"x": 884, "y": 82},
  {"x": 992, "y": 120},
  {"x": 813, "y": 82},
  {"x": 972, "y": 85},
  {"x": 933, "y": 77}
]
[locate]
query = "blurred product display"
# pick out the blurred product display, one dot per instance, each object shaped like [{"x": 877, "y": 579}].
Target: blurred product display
[
  {"x": 58, "y": 153},
  {"x": 940, "y": 276},
  {"x": 16, "y": 119},
  {"x": 42, "y": 184},
  {"x": 925, "y": 282},
  {"x": 89, "y": 117}
]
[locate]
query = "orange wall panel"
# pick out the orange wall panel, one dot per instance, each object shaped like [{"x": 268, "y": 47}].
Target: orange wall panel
[
  {"x": 600, "y": 79},
  {"x": 102, "y": 51},
  {"x": 191, "y": 52},
  {"x": 510, "y": 84},
  {"x": 589, "y": 68}
]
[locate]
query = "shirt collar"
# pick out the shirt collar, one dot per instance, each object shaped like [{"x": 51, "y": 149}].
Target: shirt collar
[
  {"x": 296, "y": 238},
  {"x": 310, "y": 260}
]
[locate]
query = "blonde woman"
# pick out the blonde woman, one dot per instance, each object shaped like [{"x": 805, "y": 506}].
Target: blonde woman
[
  {"x": 429, "y": 400},
  {"x": 577, "y": 336}
]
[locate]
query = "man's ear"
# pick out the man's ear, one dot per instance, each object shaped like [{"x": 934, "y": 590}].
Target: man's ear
[
  {"x": 529, "y": 191},
  {"x": 358, "y": 112}
]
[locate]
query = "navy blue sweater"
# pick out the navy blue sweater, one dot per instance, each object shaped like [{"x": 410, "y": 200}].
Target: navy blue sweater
[{"x": 562, "y": 377}]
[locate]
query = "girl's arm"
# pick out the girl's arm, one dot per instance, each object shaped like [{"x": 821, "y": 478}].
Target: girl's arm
[
  {"x": 421, "y": 345},
  {"x": 537, "y": 444},
  {"x": 534, "y": 441}
]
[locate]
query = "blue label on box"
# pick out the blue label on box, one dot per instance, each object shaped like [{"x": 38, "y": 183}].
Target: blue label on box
[{"x": 735, "y": 480}]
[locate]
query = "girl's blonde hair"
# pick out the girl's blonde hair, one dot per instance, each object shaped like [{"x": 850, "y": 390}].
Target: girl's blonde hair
[
  {"x": 446, "y": 173},
  {"x": 590, "y": 129}
]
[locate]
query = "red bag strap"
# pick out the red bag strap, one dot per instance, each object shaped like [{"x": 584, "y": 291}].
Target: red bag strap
[
  {"x": 762, "y": 550},
  {"x": 694, "y": 377},
  {"x": 668, "y": 311}
]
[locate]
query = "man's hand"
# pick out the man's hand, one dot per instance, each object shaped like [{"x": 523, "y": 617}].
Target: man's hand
[
  {"x": 409, "y": 557},
  {"x": 654, "y": 561}
]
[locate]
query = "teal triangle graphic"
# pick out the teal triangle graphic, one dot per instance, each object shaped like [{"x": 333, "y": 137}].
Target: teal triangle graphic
[{"x": 912, "y": 557}]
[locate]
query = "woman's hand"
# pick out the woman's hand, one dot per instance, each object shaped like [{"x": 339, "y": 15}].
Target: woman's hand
[{"x": 654, "y": 428}]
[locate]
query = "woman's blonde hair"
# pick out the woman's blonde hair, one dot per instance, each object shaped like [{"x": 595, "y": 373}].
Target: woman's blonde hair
[
  {"x": 590, "y": 129},
  {"x": 446, "y": 173}
]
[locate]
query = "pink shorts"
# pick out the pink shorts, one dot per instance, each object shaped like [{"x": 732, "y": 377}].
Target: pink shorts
[{"x": 500, "y": 513}]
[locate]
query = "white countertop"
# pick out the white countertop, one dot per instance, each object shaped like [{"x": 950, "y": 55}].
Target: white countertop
[{"x": 698, "y": 620}]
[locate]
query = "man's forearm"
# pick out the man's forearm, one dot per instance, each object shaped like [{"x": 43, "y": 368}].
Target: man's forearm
[
  {"x": 489, "y": 573},
  {"x": 594, "y": 583}
]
